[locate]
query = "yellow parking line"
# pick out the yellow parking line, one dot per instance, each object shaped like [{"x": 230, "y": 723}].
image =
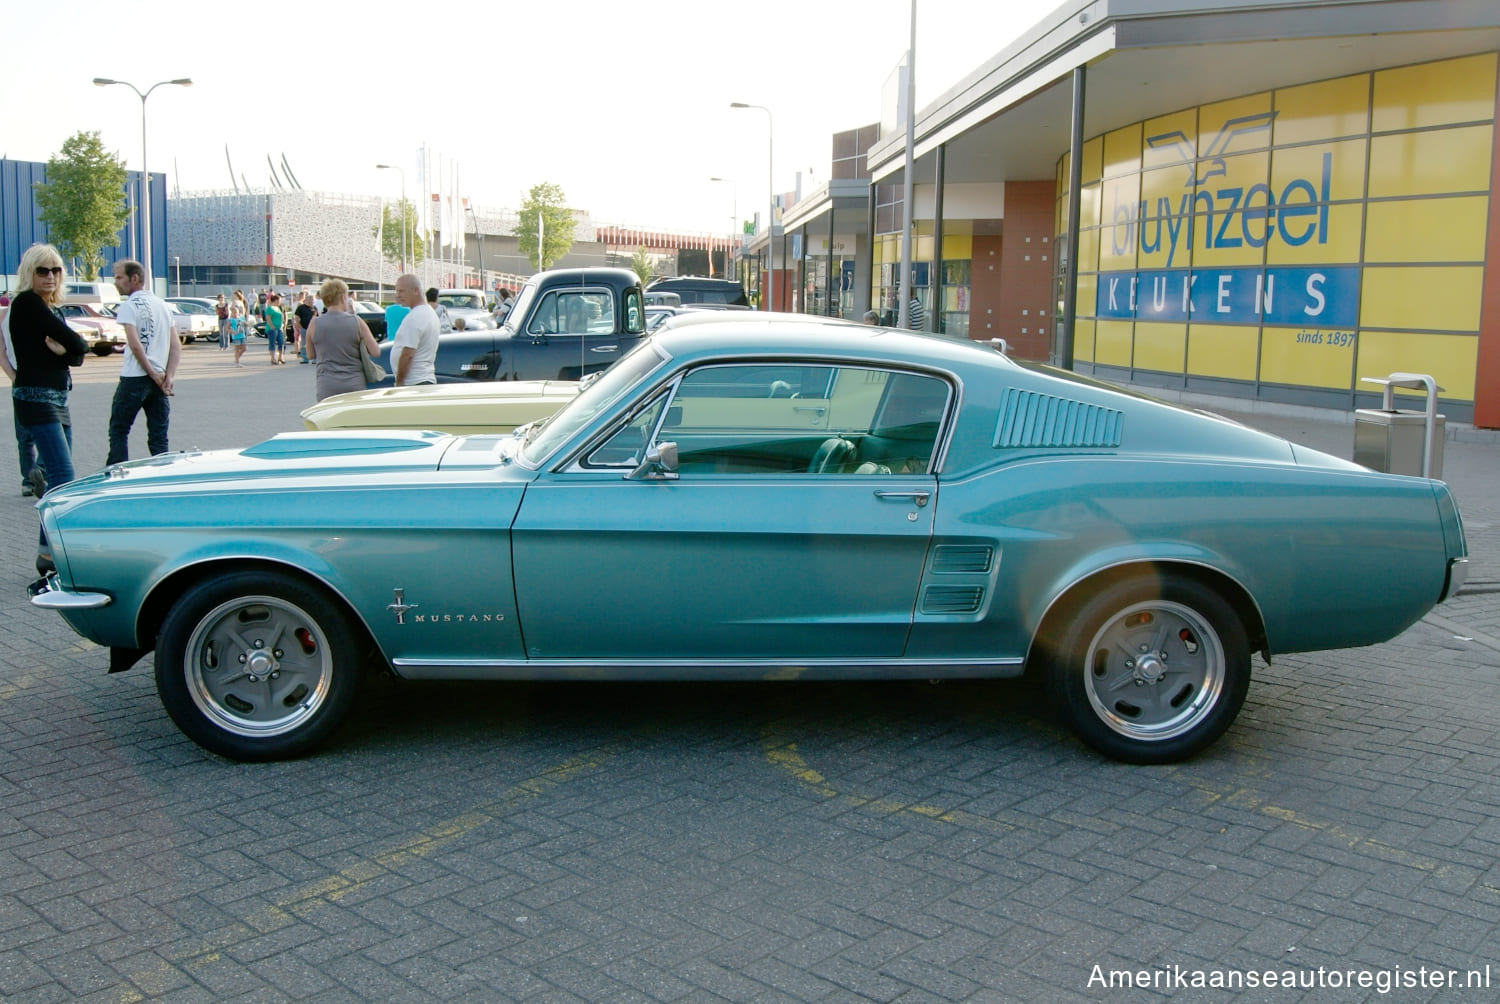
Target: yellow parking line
[
  {"x": 354, "y": 878},
  {"x": 1247, "y": 800},
  {"x": 782, "y": 753}
]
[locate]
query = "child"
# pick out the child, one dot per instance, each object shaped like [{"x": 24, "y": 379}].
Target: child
[{"x": 237, "y": 334}]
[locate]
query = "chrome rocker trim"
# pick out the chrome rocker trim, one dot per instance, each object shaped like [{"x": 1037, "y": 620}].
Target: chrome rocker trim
[{"x": 678, "y": 670}]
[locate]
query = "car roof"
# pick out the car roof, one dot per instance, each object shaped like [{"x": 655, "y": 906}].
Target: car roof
[
  {"x": 709, "y": 332},
  {"x": 667, "y": 283},
  {"x": 584, "y": 274}
]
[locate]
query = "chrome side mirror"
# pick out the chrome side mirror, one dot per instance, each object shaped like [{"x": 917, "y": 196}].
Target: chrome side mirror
[{"x": 660, "y": 464}]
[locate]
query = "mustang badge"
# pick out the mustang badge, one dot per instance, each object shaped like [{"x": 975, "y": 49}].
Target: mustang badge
[{"x": 400, "y": 607}]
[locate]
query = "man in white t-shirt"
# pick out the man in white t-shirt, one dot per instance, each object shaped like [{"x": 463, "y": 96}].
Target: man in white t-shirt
[
  {"x": 414, "y": 348},
  {"x": 151, "y": 354}
]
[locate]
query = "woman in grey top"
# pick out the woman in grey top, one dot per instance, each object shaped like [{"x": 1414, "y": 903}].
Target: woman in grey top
[{"x": 334, "y": 340}]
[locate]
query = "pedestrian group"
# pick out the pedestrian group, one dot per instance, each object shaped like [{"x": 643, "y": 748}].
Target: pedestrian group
[{"x": 40, "y": 350}]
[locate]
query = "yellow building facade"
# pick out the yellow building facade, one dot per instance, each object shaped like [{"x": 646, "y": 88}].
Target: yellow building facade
[{"x": 1289, "y": 242}]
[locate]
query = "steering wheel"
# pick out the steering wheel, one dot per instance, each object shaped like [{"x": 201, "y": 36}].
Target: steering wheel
[{"x": 832, "y": 453}]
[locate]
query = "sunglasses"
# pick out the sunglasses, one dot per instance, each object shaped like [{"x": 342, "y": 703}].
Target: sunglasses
[{"x": 44, "y": 270}]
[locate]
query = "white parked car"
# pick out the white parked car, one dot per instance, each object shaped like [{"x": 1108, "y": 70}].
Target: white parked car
[
  {"x": 193, "y": 319},
  {"x": 97, "y": 325},
  {"x": 468, "y": 304}
]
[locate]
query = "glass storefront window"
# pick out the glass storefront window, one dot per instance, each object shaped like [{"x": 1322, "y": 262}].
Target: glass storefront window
[{"x": 953, "y": 318}]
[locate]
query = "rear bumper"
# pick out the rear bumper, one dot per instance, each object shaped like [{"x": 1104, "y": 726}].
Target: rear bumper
[{"x": 1458, "y": 574}]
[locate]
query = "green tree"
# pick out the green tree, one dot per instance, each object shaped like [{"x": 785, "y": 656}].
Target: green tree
[
  {"x": 389, "y": 232},
  {"x": 82, "y": 202},
  {"x": 640, "y": 264},
  {"x": 547, "y": 202}
]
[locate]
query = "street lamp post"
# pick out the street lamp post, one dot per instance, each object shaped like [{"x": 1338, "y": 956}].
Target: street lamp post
[
  {"x": 479, "y": 239},
  {"x": 145, "y": 171},
  {"x": 771, "y": 199},
  {"x": 733, "y": 218},
  {"x": 398, "y": 167},
  {"x": 903, "y": 308}
]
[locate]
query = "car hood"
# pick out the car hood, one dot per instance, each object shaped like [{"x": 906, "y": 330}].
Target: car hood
[
  {"x": 452, "y": 393},
  {"x": 461, "y": 408},
  {"x": 346, "y": 457}
]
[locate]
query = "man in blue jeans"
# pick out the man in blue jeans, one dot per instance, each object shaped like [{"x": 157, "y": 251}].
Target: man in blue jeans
[
  {"x": 275, "y": 329},
  {"x": 151, "y": 354}
]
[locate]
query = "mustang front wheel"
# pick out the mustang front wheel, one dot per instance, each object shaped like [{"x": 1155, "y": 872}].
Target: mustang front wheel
[
  {"x": 257, "y": 666},
  {"x": 1152, "y": 670}
]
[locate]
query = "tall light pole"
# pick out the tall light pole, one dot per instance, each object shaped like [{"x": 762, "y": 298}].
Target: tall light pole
[
  {"x": 479, "y": 239},
  {"x": 903, "y": 307},
  {"x": 734, "y": 216},
  {"x": 398, "y": 167},
  {"x": 771, "y": 197},
  {"x": 145, "y": 171}
]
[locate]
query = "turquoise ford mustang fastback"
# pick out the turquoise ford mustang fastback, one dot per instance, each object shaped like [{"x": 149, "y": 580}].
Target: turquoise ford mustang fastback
[{"x": 753, "y": 498}]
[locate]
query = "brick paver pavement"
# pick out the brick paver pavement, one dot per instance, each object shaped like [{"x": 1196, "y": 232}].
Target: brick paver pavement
[{"x": 778, "y": 842}]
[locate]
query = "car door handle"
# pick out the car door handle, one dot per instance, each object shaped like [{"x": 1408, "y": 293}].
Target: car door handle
[
  {"x": 816, "y": 409},
  {"x": 919, "y": 496},
  {"x": 604, "y": 348}
]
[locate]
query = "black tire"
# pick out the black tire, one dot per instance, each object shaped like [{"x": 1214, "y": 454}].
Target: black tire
[
  {"x": 1151, "y": 670},
  {"x": 257, "y": 665},
  {"x": 103, "y": 348}
]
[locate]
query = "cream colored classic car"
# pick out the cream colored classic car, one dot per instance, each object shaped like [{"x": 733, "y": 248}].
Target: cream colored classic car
[{"x": 461, "y": 409}]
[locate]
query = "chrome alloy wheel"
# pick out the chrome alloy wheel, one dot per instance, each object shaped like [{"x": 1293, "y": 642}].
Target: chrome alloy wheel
[
  {"x": 1155, "y": 670},
  {"x": 258, "y": 666}
]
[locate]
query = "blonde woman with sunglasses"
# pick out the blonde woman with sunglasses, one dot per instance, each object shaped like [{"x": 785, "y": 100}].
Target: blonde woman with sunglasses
[{"x": 43, "y": 347}]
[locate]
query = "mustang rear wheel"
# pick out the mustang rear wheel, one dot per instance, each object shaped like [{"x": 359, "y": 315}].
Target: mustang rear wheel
[
  {"x": 1151, "y": 670},
  {"x": 257, "y": 665}
]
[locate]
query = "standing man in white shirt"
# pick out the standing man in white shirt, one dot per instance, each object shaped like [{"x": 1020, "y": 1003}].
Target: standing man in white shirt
[
  {"x": 414, "y": 348},
  {"x": 151, "y": 354}
]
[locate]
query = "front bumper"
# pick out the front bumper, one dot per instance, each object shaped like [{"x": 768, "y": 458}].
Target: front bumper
[{"x": 49, "y": 594}]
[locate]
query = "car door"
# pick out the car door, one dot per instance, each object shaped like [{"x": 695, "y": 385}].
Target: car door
[
  {"x": 571, "y": 332},
  {"x": 761, "y": 549}
]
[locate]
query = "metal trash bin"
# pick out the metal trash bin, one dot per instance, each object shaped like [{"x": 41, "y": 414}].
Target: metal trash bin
[{"x": 1397, "y": 441}]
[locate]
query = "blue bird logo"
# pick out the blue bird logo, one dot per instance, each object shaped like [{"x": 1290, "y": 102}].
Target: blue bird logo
[{"x": 1212, "y": 162}]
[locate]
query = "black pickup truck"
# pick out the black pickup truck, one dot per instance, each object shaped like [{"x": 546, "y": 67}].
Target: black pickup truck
[{"x": 564, "y": 323}]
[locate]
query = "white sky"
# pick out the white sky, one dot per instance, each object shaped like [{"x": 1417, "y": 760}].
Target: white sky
[{"x": 623, "y": 104}]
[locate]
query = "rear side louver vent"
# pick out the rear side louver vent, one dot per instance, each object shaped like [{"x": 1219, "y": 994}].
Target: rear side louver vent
[
  {"x": 952, "y": 599},
  {"x": 1031, "y": 420},
  {"x": 951, "y": 558}
]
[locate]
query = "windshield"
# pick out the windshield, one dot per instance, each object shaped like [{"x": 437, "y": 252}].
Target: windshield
[
  {"x": 521, "y": 305},
  {"x": 462, "y": 301},
  {"x": 595, "y": 397}
]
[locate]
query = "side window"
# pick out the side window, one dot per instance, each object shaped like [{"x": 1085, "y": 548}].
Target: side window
[
  {"x": 573, "y": 312},
  {"x": 789, "y": 418},
  {"x": 626, "y": 447},
  {"x": 544, "y": 317},
  {"x": 635, "y": 313},
  {"x": 767, "y": 381}
]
